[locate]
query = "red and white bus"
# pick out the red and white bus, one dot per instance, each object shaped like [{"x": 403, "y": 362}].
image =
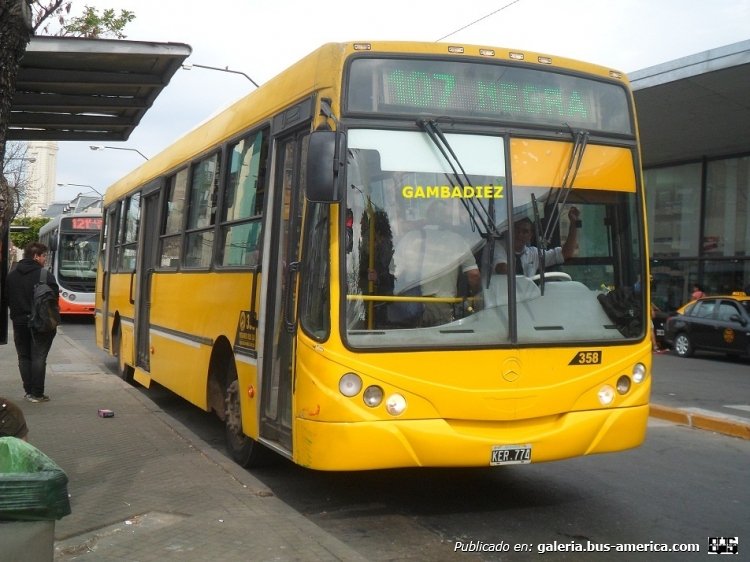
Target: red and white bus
[{"x": 73, "y": 242}]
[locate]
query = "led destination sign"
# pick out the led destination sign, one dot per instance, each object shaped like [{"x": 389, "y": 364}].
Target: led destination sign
[
  {"x": 83, "y": 223},
  {"x": 496, "y": 91}
]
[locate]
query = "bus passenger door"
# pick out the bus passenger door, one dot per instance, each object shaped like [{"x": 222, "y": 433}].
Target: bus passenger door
[
  {"x": 148, "y": 244},
  {"x": 280, "y": 323},
  {"x": 108, "y": 266}
]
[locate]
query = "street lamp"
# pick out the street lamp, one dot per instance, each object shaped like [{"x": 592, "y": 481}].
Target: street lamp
[
  {"x": 91, "y": 187},
  {"x": 225, "y": 69},
  {"x": 83, "y": 203},
  {"x": 100, "y": 147}
]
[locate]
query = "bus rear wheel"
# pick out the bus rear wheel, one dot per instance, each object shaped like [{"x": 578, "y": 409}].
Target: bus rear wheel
[{"x": 244, "y": 450}]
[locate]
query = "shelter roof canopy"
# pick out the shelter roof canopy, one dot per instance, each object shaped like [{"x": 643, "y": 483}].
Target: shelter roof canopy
[{"x": 89, "y": 89}]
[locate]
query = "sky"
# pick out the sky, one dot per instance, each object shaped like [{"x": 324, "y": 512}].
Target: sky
[{"x": 261, "y": 38}]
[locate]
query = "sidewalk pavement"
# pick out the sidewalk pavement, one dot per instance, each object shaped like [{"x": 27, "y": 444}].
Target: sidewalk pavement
[{"x": 143, "y": 487}]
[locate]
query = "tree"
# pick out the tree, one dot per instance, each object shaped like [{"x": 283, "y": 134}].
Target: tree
[
  {"x": 15, "y": 170},
  {"x": 92, "y": 25},
  {"x": 19, "y": 20},
  {"x": 31, "y": 234},
  {"x": 46, "y": 11}
]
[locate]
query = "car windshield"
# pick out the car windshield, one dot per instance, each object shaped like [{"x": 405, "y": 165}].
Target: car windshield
[{"x": 426, "y": 250}]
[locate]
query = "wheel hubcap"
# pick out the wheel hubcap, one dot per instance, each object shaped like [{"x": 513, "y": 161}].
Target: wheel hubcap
[{"x": 681, "y": 345}]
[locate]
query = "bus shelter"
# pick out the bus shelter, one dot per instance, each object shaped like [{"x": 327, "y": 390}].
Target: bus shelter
[{"x": 73, "y": 89}]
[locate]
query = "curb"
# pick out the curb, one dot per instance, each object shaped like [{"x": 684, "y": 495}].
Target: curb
[{"x": 724, "y": 425}]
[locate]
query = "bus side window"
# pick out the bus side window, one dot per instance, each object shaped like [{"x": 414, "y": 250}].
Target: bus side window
[
  {"x": 201, "y": 212},
  {"x": 171, "y": 239},
  {"x": 240, "y": 224},
  {"x": 128, "y": 238}
]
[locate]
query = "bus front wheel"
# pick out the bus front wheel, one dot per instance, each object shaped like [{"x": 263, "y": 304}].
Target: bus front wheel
[{"x": 245, "y": 451}]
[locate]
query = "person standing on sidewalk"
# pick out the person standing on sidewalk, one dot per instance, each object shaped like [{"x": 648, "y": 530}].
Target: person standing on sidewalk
[{"x": 32, "y": 347}]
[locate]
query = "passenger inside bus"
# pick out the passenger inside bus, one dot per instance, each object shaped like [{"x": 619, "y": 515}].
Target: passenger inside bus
[
  {"x": 432, "y": 257},
  {"x": 375, "y": 276}
]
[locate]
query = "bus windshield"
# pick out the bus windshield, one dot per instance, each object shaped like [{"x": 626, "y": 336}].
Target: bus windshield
[
  {"x": 77, "y": 259},
  {"x": 426, "y": 250}
]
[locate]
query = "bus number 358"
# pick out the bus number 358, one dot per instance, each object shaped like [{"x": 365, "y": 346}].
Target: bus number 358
[{"x": 586, "y": 358}]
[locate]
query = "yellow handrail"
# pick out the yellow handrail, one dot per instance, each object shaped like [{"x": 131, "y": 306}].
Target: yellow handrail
[{"x": 391, "y": 298}]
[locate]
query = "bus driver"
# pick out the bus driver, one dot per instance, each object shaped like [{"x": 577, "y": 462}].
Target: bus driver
[{"x": 527, "y": 256}]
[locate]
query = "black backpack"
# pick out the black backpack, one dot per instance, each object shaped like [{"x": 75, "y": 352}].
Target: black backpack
[{"x": 45, "y": 308}]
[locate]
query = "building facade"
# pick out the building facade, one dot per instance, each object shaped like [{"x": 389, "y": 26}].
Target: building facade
[
  {"x": 699, "y": 228},
  {"x": 42, "y": 174},
  {"x": 694, "y": 120}
]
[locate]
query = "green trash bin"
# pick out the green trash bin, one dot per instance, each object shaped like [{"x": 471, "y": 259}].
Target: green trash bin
[{"x": 33, "y": 494}]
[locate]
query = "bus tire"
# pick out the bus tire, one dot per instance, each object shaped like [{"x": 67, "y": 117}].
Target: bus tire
[
  {"x": 124, "y": 371},
  {"x": 244, "y": 450}
]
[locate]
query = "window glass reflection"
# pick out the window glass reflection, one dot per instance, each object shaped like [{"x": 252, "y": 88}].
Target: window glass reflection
[{"x": 674, "y": 210}]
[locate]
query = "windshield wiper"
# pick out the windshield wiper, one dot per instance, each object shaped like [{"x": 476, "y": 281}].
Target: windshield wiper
[
  {"x": 462, "y": 179},
  {"x": 487, "y": 229},
  {"x": 580, "y": 140}
]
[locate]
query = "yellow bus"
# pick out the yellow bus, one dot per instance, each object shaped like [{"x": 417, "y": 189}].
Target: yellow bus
[{"x": 325, "y": 264}]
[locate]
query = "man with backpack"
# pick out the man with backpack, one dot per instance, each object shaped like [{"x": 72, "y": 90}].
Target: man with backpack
[{"x": 33, "y": 335}]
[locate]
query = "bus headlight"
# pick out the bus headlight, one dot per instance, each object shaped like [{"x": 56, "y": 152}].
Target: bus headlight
[
  {"x": 373, "y": 396},
  {"x": 606, "y": 394},
  {"x": 350, "y": 384},
  {"x": 639, "y": 372},
  {"x": 395, "y": 404},
  {"x": 623, "y": 384},
  {"x": 72, "y": 297}
]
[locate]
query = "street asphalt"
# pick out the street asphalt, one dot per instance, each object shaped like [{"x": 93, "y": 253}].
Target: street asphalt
[{"x": 143, "y": 487}]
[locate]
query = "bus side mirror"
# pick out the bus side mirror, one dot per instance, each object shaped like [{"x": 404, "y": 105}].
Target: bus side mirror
[{"x": 325, "y": 166}]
